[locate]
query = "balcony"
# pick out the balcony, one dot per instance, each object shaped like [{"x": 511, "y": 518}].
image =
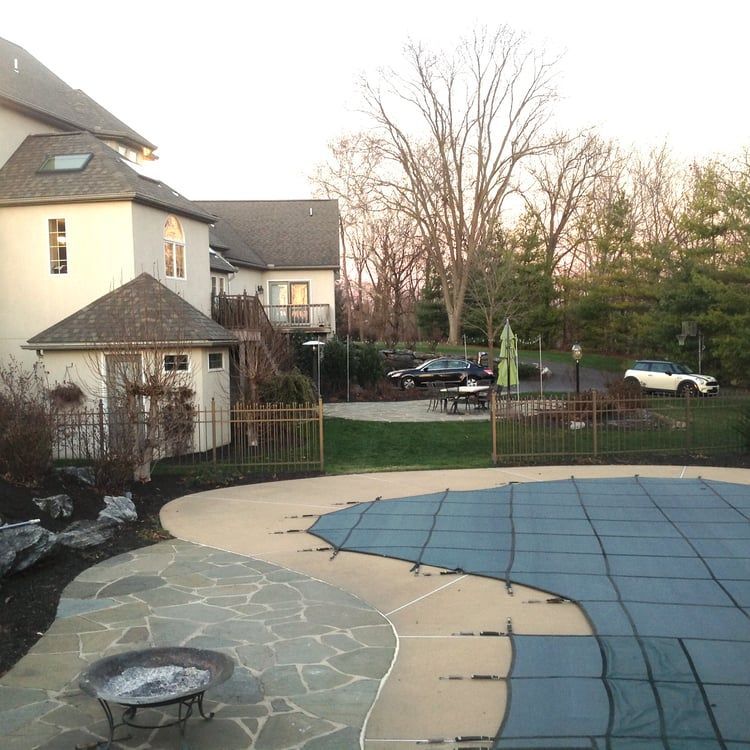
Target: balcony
[
  {"x": 300, "y": 317},
  {"x": 242, "y": 311}
]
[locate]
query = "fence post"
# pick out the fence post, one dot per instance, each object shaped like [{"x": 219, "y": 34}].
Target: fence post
[
  {"x": 213, "y": 428},
  {"x": 688, "y": 436},
  {"x": 493, "y": 421},
  {"x": 594, "y": 421},
  {"x": 101, "y": 428},
  {"x": 320, "y": 432}
]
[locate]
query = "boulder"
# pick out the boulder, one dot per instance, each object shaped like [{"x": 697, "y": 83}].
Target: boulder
[
  {"x": 58, "y": 506},
  {"x": 83, "y": 534},
  {"x": 119, "y": 509},
  {"x": 84, "y": 474},
  {"x": 22, "y": 546}
]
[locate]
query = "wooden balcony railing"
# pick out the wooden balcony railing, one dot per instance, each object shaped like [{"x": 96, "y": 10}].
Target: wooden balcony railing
[
  {"x": 300, "y": 317},
  {"x": 243, "y": 311}
]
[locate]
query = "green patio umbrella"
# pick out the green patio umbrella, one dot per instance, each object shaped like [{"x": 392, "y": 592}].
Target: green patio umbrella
[{"x": 507, "y": 368}]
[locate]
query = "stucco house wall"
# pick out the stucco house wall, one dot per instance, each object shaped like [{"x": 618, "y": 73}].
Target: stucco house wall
[
  {"x": 100, "y": 258},
  {"x": 14, "y": 127},
  {"x": 148, "y": 249},
  {"x": 87, "y": 370}
]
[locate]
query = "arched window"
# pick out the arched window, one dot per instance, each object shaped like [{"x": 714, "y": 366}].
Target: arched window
[{"x": 174, "y": 249}]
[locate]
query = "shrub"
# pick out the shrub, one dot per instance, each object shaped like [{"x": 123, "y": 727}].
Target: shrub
[
  {"x": 333, "y": 367},
  {"x": 27, "y": 426},
  {"x": 368, "y": 365},
  {"x": 288, "y": 388}
]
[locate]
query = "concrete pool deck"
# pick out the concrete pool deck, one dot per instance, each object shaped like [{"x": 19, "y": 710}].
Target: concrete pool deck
[{"x": 331, "y": 652}]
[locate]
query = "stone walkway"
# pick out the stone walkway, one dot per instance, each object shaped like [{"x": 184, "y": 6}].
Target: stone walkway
[{"x": 308, "y": 657}]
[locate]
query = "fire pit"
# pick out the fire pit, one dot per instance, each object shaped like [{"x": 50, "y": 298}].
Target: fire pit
[{"x": 154, "y": 677}]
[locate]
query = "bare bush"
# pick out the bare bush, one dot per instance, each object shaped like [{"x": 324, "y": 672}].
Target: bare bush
[{"x": 27, "y": 425}]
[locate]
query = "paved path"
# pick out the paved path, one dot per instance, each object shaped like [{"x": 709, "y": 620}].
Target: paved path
[{"x": 417, "y": 410}]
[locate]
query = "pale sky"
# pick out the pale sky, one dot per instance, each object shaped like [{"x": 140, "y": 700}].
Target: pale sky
[{"x": 243, "y": 97}]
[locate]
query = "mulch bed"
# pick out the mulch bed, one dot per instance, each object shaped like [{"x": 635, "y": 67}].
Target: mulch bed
[{"x": 28, "y": 600}]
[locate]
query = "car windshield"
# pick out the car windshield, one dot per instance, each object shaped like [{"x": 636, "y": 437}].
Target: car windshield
[{"x": 682, "y": 369}]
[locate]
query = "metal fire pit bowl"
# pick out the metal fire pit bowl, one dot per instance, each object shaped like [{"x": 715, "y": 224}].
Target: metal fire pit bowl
[{"x": 154, "y": 677}]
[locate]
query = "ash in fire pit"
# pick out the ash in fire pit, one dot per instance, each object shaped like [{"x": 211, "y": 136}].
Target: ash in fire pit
[{"x": 157, "y": 682}]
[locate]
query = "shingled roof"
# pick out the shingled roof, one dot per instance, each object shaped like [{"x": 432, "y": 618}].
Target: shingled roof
[
  {"x": 281, "y": 234},
  {"x": 142, "y": 311},
  {"x": 107, "y": 176},
  {"x": 27, "y": 85}
]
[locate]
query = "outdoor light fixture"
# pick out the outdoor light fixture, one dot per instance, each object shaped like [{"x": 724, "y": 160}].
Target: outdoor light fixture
[{"x": 577, "y": 353}]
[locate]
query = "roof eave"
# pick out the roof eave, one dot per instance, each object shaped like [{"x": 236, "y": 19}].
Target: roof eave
[
  {"x": 53, "y": 119},
  {"x": 130, "y": 345},
  {"x": 104, "y": 198}
]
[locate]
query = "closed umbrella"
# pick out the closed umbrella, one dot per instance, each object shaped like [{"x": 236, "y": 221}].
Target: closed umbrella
[{"x": 507, "y": 368}]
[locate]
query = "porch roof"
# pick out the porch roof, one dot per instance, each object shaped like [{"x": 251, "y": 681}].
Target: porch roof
[{"x": 142, "y": 312}]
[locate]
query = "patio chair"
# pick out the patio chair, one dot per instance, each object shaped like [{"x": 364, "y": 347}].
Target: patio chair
[{"x": 437, "y": 400}]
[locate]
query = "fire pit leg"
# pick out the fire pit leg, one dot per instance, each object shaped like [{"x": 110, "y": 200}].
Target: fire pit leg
[
  {"x": 107, "y": 744},
  {"x": 200, "y": 708}
]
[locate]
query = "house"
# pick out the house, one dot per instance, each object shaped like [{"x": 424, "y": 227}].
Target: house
[
  {"x": 81, "y": 216},
  {"x": 285, "y": 251}
]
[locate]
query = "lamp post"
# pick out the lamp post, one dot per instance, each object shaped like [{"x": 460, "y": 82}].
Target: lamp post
[
  {"x": 316, "y": 345},
  {"x": 577, "y": 353}
]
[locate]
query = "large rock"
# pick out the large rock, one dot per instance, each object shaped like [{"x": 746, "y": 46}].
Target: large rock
[
  {"x": 22, "y": 546},
  {"x": 58, "y": 506},
  {"x": 119, "y": 509},
  {"x": 83, "y": 534},
  {"x": 84, "y": 474}
]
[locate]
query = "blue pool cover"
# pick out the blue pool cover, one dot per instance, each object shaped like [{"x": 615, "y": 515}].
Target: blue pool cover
[{"x": 661, "y": 567}]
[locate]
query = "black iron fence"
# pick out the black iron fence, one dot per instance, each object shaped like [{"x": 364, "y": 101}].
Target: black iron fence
[
  {"x": 532, "y": 428},
  {"x": 265, "y": 436}
]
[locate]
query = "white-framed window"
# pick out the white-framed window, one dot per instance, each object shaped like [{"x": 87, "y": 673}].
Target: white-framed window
[
  {"x": 174, "y": 249},
  {"x": 218, "y": 285},
  {"x": 176, "y": 363},
  {"x": 58, "y": 246},
  {"x": 216, "y": 360}
]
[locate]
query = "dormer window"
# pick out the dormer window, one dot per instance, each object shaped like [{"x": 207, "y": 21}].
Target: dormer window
[
  {"x": 174, "y": 249},
  {"x": 66, "y": 163}
]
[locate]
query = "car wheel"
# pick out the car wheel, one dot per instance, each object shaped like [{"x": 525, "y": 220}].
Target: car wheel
[
  {"x": 687, "y": 389},
  {"x": 632, "y": 384},
  {"x": 408, "y": 383}
]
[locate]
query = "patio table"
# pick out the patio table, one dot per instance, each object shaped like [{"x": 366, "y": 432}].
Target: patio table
[{"x": 465, "y": 393}]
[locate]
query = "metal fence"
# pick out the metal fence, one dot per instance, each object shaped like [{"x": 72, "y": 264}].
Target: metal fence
[
  {"x": 593, "y": 424},
  {"x": 265, "y": 436}
]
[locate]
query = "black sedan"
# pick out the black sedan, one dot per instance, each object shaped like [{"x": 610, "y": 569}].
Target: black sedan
[{"x": 443, "y": 370}]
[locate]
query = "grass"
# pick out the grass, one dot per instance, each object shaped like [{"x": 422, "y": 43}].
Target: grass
[
  {"x": 357, "y": 447},
  {"x": 698, "y": 427}
]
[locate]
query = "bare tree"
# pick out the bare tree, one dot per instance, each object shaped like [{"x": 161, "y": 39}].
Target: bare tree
[
  {"x": 562, "y": 185},
  {"x": 493, "y": 289},
  {"x": 477, "y": 114},
  {"x": 381, "y": 248}
]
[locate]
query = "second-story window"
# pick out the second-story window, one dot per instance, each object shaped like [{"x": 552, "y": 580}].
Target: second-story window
[
  {"x": 174, "y": 249},
  {"x": 58, "y": 246}
]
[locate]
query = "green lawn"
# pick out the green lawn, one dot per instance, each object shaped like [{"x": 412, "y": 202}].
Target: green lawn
[
  {"x": 353, "y": 447},
  {"x": 710, "y": 426}
]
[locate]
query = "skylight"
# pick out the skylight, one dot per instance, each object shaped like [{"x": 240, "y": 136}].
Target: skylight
[{"x": 65, "y": 163}]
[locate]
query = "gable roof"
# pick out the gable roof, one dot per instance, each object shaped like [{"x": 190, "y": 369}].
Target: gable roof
[
  {"x": 282, "y": 234},
  {"x": 29, "y": 86},
  {"x": 143, "y": 312},
  {"x": 224, "y": 238},
  {"x": 219, "y": 263},
  {"x": 107, "y": 176}
]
